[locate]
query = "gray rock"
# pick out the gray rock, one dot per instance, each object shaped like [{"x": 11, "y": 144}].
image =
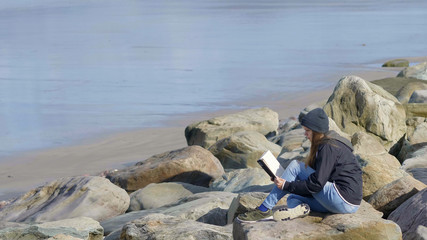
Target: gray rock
[
  {"x": 420, "y": 234},
  {"x": 400, "y": 87},
  {"x": 410, "y": 151},
  {"x": 419, "y": 135},
  {"x": 4, "y": 225},
  {"x": 366, "y": 144},
  {"x": 411, "y": 213},
  {"x": 76, "y": 228},
  {"x": 420, "y": 174},
  {"x": 206, "y": 133},
  {"x": 366, "y": 223},
  {"x": 194, "y": 165},
  {"x": 392, "y": 195},
  {"x": 416, "y": 158},
  {"x": 420, "y": 151},
  {"x": 63, "y": 237},
  {"x": 115, "y": 235},
  {"x": 404, "y": 94},
  {"x": 416, "y": 109},
  {"x": 306, "y": 144},
  {"x": 116, "y": 223},
  {"x": 418, "y": 71},
  {"x": 396, "y": 63},
  {"x": 412, "y": 123},
  {"x": 418, "y": 96},
  {"x": 357, "y": 105},
  {"x": 334, "y": 127},
  {"x": 285, "y": 157},
  {"x": 415, "y": 162},
  {"x": 206, "y": 207},
  {"x": 242, "y": 180},
  {"x": 243, "y": 149},
  {"x": 71, "y": 197},
  {"x": 402, "y": 150},
  {"x": 378, "y": 166},
  {"x": 159, "y": 226},
  {"x": 156, "y": 195},
  {"x": 289, "y": 125},
  {"x": 292, "y": 139}
]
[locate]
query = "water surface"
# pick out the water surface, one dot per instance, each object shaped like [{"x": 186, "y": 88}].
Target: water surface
[{"x": 70, "y": 70}]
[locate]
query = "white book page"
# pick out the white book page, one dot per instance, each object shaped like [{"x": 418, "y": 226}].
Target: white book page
[{"x": 272, "y": 163}]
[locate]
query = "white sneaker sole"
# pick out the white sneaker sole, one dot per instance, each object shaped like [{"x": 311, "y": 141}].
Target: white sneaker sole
[
  {"x": 285, "y": 214},
  {"x": 264, "y": 219}
]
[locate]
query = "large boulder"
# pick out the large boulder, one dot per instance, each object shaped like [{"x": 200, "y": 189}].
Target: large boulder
[
  {"x": 358, "y": 105},
  {"x": 334, "y": 127},
  {"x": 411, "y": 214},
  {"x": 156, "y": 195},
  {"x": 194, "y": 165},
  {"x": 207, "y": 207},
  {"x": 242, "y": 180},
  {"x": 71, "y": 197},
  {"x": 243, "y": 149},
  {"x": 75, "y": 228},
  {"x": 208, "y": 132},
  {"x": 392, "y": 195},
  {"x": 366, "y": 223},
  {"x": 378, "y": 166},
  {"x": 160, "y": 226},
  {"x": 418, "y": 71}
]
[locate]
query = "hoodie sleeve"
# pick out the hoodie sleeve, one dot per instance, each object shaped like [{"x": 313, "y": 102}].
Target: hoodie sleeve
[{"x": 324, "y": 165}]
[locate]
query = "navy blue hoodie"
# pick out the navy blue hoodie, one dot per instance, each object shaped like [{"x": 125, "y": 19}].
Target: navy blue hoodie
[{"x": 336, "y": 163}]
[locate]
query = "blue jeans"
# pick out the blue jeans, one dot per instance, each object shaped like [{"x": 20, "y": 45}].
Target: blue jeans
[{"x": 327, "y": 200}]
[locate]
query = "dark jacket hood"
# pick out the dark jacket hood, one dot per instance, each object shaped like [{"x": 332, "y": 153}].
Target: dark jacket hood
[{"x": 334, "y": 135}]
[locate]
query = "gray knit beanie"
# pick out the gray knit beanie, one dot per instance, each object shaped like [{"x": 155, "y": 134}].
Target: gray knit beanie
[{"x": 316, "y": 120}]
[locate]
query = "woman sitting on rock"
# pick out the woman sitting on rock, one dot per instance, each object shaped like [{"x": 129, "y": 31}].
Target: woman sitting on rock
[{"x": 329, "y": 181}]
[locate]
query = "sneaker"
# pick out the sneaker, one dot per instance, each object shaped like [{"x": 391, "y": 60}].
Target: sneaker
[
  {"x": 255, "y": 215},
  {"x": 284, "y": 214}
]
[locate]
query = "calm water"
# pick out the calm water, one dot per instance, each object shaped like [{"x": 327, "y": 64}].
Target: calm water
[{"x": 74, "y": 69}]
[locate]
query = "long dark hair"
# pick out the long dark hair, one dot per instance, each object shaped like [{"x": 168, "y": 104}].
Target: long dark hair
[{"x": 317, "y": 139}]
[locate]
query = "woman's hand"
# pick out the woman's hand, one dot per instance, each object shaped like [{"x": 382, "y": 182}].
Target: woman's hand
[{"x": 280, "y": 182}]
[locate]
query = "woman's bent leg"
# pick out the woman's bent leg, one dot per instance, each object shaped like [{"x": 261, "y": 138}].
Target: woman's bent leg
[
  {"x": 330, "y": 199},
  {"x": 296, "y": 170},
  {"x": 295, "y": 200}
]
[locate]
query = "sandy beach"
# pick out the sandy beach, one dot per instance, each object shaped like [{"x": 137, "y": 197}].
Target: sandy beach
[{"x": 24, "y": 172}]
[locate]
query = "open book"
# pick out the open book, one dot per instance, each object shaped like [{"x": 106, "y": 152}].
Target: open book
[{"x": 270, "y": 164}]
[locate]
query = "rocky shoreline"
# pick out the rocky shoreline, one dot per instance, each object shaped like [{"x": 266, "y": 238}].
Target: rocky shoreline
[{"x": 195, "y": 192}]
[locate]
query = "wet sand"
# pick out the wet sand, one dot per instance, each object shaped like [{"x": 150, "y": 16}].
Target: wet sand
[{"x": 21, "y": 173}]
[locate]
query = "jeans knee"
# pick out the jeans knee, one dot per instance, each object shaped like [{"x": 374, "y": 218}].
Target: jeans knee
[{"x": 294, "y": 164}]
